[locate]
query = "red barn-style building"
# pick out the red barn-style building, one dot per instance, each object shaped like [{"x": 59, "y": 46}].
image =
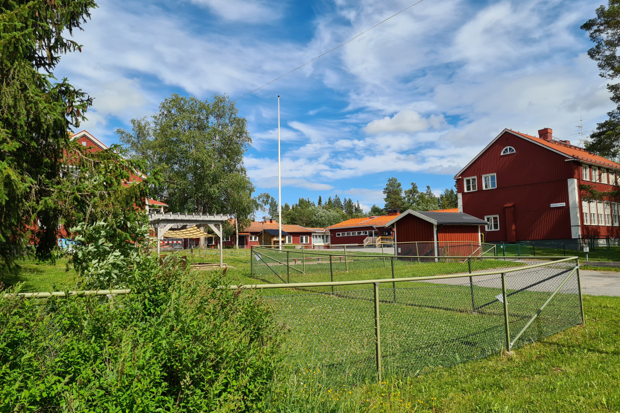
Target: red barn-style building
[
  {"x": 527, "y": 188},
  {"x": 419, "y": 233}
]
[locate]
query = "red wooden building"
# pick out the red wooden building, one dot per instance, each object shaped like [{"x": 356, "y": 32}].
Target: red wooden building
[
  {"x": 527, "y": 188},
  {"x": 356, "y": 230},
  {"x": 419, "y": 233},
  {"x": 266, "y": 233}
]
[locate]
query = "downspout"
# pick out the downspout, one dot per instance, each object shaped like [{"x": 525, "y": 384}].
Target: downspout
[
  {"x": 395, "y": 242},
  {"x": 435, "y": 239}
]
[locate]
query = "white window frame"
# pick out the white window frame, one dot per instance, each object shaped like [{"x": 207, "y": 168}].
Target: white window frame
[
  {"x": 304, "y": 239},
  {"x": 288, "y": 239},
  {"x": 484, "y": 183},
  {"x": 593, "y": 213},
  {"x": 613, "y": 178},
  {"x": 604, "y": 176},
  {"x": 600, "y": 213},
  {"x": 585, "y": 172},
  {"x": 585, "y": 206},
  {"x": 253, "y": 238},
  {"x": 596, "y": 177},
  {"x": 607, "y": 210},
  {"x": 339, "y": 234},
  {"x": 475, "y": 181},
  {"x": 508, "y": 150},
  {"x": 491, "y": 221},
  {"x": 614, "y": 213}
]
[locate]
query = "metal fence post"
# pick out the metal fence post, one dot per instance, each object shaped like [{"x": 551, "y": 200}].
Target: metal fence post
[
  {"x": 303, "y": 259},
  {"x": 251, "y": 262},
  {"x": 331, "y": 270},
  {"x": 383, "y": 255},
  {"x": 377, "y": 331},
  {"x": 471, "y": 287},
  {"x": 583, "y": 318},
  {"x": 417, "y": 251},
  {"x": 346, "y": 264},
  {"x": 534, "y": 248},
  {"x": 288, "y": 270},
  {"x": 393, "y": 284},
  {"x": 506, "y": 324},
  {"x": 518, "y": 250}
]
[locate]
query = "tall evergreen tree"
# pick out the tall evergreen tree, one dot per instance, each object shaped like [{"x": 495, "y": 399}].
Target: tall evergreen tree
[
  {"x": 393, "y": 192},
  {"x": 320, "y": 203},
  {"x": 603, "y": 31}
]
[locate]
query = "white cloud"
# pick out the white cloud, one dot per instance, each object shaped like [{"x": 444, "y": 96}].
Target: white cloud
[
  {"x": 242, "y": 10},
  {"x": 407, "y": 121}
]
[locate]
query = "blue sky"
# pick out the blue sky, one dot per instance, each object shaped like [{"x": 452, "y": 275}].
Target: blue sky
[{"x": 416, "y": 98}]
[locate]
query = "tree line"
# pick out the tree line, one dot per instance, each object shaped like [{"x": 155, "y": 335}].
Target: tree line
[{"x": 413, "y": 198}]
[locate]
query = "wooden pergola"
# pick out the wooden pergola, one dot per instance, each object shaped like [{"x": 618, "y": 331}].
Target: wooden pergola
[{"x": 163, "y": 222}]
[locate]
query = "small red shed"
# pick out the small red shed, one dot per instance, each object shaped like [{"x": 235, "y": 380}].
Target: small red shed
[{"x": 419, "y": 233}]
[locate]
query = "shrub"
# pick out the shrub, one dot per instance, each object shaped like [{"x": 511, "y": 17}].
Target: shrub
[{"x": 176, "y": 343}]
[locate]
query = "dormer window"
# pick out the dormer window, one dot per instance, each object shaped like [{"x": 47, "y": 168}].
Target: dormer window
[{"x": 508, "y": 150}]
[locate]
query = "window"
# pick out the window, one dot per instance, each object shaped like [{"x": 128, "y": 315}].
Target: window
[
  {"x": 599, "y": 210},
  {"x": 288, "y": 239},
  {"x": 604, "y": 176},
  {"x": 492, "y": 222},
  {"x": 508, "y": 150},
  {"x": 339, "y": 234},
  {"x": 304, "y": 239},
  {"x": 613, "y": 179},
  {"x": 614, "y": 211},
  {"x": 585, "y": 172},
  {"x": 254, "y": 238},
  {"x": 83, "y": 143},
  {"x": 489, "y": 181},
  {"x": 595, "y": 174},
  {"x": 607, "y": 208},
  {"x": 226, "y": 239},
  {"x": 593, "y": 220},
  {"x": 586, "y": 212},
  {"x": 471, "y": 184}
]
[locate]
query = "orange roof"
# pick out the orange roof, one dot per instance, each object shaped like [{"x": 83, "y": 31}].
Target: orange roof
[
  {"x": 570, "y": 150},
  {"x": 259, "y": 226},
  {"x": 379, "y": 221},
  {"x": 453, "y": 210}
]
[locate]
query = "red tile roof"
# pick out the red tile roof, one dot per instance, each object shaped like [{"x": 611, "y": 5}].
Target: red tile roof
[
  {"x": 453, "y": 210},
  {"x": 259, "y": 226},
  {"x": 379, "y": 221},
  {"x": 570, "y": 150}
]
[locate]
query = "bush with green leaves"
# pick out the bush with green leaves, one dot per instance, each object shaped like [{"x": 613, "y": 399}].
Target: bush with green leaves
[
  {"x": 108, "y": 254},
  {"x": 177, "y": 343}
]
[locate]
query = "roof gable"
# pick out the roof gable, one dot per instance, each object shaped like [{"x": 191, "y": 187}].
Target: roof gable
[
  {"x": 566, "y": 150},
  {"x": 85, "y": 134}
]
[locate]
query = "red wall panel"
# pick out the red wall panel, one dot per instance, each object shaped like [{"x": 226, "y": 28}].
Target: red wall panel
[
  {"x": 458, "y": 233},
  {"x": 533, "y": 178}
]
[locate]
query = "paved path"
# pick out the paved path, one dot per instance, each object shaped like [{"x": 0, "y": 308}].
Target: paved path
[{"x": 600, "y": 283}]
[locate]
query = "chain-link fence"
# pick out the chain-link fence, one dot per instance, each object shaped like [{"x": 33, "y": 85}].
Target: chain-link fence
[
  {"x": 360, "y": 330},
  {"x": 595, "y": 249},
  {"x": 301, "y": 266}
]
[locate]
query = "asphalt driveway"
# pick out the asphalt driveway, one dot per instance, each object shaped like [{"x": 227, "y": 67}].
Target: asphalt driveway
[{"x": 600, "y": 283}]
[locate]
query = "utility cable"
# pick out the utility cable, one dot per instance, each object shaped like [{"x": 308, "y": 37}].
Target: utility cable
[{"x": 331, "y": 50}]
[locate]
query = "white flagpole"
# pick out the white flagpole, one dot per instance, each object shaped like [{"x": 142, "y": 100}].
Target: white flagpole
[{"x": 279, "y": 182}]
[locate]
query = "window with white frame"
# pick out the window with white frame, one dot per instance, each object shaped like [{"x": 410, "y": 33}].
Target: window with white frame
[
  {"x": 492, "y": 222},
  {"x": 604, "y": 176},
  {"x": 585, "y": 172},
  {"x": 304, "y": 239},
  {"x": 226, "y": 239},
  {"x": 607, "y": 209},
  {"x": 471, "y": 184},
  {"x": 288, "y": 239},
  {"x": 253, "y": 237},
  {"x": 600, "y": 213},
  {"x": 593, "y": 220},
  {"x": 508, "y": 150},
  {"x": 489, "y": 181},
  {"x": 339, "y": 234},
  {"x": 586, "y": 212},
  {"x": 614, "y": 212},
  {"x": 595, "y": 174}
]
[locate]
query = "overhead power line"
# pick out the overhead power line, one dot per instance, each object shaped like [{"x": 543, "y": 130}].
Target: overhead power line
[{"x": 331, "y": 50}]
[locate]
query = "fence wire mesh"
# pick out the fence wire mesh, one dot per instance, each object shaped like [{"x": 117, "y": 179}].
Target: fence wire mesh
[{"x": 423, "y": 324}]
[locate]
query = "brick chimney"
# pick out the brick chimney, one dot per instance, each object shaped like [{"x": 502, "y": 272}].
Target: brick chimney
[{"x": 545, "y": 134}]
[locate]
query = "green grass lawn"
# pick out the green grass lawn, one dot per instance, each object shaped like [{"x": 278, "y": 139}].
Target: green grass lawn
[
  {"x": 577, "y": 370},
  {"x": 42, "y": 277},
  {"x": 601, "y": 253}
]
